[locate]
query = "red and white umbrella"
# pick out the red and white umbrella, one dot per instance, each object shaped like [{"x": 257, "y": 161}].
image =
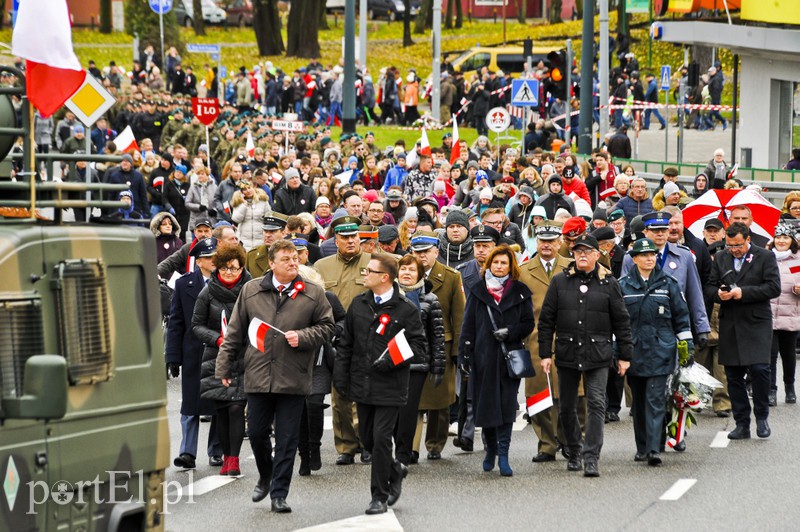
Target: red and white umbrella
[{"x": 718, "y": 204}]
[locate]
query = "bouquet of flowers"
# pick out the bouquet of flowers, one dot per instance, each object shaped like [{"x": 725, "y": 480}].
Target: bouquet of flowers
[{"x": 689, "y": 389}]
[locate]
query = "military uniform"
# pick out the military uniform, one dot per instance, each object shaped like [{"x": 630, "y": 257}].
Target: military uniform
[
  {"x": 257, "y": 262},
  {"x": 171, "y": 128},
  {"x": 344, "y": 279}
]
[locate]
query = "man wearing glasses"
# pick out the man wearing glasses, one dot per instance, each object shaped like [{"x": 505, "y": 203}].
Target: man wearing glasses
[
  {"x": 282, "y": 320},
  {"x": 343, "y": 276},
  {"x": 365, "y": 373}
]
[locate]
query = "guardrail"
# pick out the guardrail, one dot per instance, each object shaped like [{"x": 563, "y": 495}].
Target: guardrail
[{"x": 760, "y": 175}]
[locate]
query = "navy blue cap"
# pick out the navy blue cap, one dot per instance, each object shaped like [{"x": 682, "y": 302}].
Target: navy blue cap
[
  {"x": 204, "y": 248},
  {"x": 656, "y": 220}
]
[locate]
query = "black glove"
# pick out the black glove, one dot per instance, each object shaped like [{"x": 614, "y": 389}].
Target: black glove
[
  {"x": 690, "y": 347},
  {"x": 702, "y": 341},
  {"x": 173, "y": 370},
  {"x": 437, "y": 380},
  {"x": 383, "y": 364},
  {"x": 212, "y": 212},
  {"x": 501, "y": 335},
  {"x": 203, "y": 208},
  {"x": 465, "y": 365}
]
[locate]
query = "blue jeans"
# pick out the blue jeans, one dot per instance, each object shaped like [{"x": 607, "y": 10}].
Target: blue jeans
[
  {"x": 647, "y": 117},
  {"x": 715, "y": 114},
  {"x": 336, "y": 110},
  {"x": 594, "y": 385},
  {"x": 190, "y": 426}
]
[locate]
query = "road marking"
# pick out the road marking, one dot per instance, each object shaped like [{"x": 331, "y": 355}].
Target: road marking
[
  {"x": 678, "y": 489},
  {"x": 382, "y": 522},
  {"x": 207, "y": 484},
  {"x": 720, "y": 440},
  {"x": 520, "y": 423},
  {"x": 328, "y": 423}
]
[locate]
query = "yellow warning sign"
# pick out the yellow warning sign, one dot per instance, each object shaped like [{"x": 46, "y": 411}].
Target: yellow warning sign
[{"x": 90, "y": 101}]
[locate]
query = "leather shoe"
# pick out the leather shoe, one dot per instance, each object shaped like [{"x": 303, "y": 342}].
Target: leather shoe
[
  {"x": 396, "y": 485},
  {"x": 613, "y": 417},
  {"x": 279, "y": 506},
  {"x": 543, "y": 457},
  {"x": 680, "y": 447},
  {"x": 590, "y": 470},
  {"x": 723, "y": 413},
  {"x": 366, "y": 457},
  {"x": 414, "y": 457},
  {"x": 434, "y": 455},
  {"x": 653, "y": 459},
  {"x": 376, "y": 507},
  {"x": 741, "y": 432},
  {"x": 640, "y": 457},
  {"x": 215, "y": 461},
  {"x": 345, "y": 459},
  {"x": 574, "y": 464},
  {"x": 762, "y": 428},
  {"x": 260, "y": 492},
  {"x": 773, "y": 398},
  {"x": 185, "y": 461}
]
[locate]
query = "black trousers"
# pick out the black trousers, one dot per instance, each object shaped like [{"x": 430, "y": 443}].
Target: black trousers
[
  {"x": 230, "y": 426},
  {"x": 737, "y": 389},
  {"x": 649, "y": 409},
  {"x": 312, "y": 424},
  {"x": 783, "y": 342},
  {"x": 375, "y": 428},
  {"x": 594, "y": 384},
  {"x": 615, "y": 390},
  {"x": 407, "y": 418},
  {"x": 285, "y": 410}
]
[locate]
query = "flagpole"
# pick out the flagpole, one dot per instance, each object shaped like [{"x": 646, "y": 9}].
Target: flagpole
[{"x": 208, "y": 153}]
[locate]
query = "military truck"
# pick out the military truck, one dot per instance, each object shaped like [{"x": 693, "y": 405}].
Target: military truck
[{"x": 84, "y": 440}]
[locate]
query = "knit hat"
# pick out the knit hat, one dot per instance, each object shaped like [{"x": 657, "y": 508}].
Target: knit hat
[
  {"x": 456, "y": 217},
  {"x": 370, "y": 195},
  {"x": 486, "y": 193},
  {"x": 181, "y": 168},
  {"x": 322, "y": 200},
  {"x": 290, "y": 173},
  {"x": 412, "y": 213},
  {"x": 670, "y": 189},
  {"x": 387, "y": 233},
  {"x": 352, "y": 159},
  {"x": 127, "y": 157},
  {"x": 472, "y": 164},
  {"x": 526, "y": 191},
  {"x": 438, "y": 186}
]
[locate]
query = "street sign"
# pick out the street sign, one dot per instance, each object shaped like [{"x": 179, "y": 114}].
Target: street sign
[
  {"x": 215, "y": 57},
  {"x": 205, "y": 109},
  {"x": 203, "y": 48},
  {"x": 223, "y": 72},
  {"x": 161, "y": 7},
  {"x": 525, "y": 92},
  {"x": 666, "y": 74},
  {"x": 90, "y": 101},
  {"x": 287, "y": 125},
  {"x": 498, "y": 119}
]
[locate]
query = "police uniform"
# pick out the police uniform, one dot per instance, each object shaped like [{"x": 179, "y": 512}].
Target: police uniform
[
  {"x": 257, "y": 258},
  {"x": 344, "y": 279}
]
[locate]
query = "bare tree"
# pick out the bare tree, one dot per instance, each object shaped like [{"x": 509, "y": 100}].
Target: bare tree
[
  {"x": 448, "y": 16},
  {"x": 323, "y": 15},
  {"x": 407, "y": 24},
  {"x": 267, "y": 27},
  {"x": 105, "y": 16},
  {"x": 197, "y": 22},
  {"x": 522, "y": 10},
  {"x": 459, "y": 14},
  {"x": 302, "y": 31},
  {"x": 424, "y": 17}
]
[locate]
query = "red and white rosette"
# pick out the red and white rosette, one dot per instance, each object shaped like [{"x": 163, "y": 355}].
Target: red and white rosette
[
  {"x": 384, "y": 319},
  {"x": 296, "y": 289}
]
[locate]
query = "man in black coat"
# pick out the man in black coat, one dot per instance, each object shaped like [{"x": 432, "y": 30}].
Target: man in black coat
[
  {"x": 184, "y": 350},
  {"x": 584, "y": 309},
  {"x": 364, "y": 371},
  {"x": 126, "y": 174},
  {"x": 294, "y": 197},
  {"x": 744, "y": 278}
]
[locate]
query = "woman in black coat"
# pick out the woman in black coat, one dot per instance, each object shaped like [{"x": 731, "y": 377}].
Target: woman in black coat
[
  {"x": 312, "y": 423},
  {"x": 494, "y": 391},
  {"x": 175, "y": 190},
  {"x": 213, "y": 308},
  {"x": 411, "y": 278}
]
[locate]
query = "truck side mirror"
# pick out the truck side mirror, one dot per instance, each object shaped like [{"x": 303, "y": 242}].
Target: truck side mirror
[{"x": 45, "y": 390}]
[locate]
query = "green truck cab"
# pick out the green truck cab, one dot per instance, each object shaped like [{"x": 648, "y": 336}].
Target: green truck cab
[{"x": 84, "y": 439}]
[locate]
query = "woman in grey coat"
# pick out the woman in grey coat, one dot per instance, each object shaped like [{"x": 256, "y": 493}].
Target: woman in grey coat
[{"x": 200, "y": 198}]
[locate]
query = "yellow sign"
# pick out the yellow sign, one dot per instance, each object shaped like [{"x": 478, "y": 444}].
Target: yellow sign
[
  {"x": 680, "y": 6},
  {"x": 90, "y": 101},
  {"x": 774, "y": 11}
]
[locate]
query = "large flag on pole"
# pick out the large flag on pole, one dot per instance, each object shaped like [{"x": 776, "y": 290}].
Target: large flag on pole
[
  {"x": 43, "y": 37},
  {"x": 250, "y": 146},
  {"x": 425, "y": 145},
  {"x": 125, "y": 141}
]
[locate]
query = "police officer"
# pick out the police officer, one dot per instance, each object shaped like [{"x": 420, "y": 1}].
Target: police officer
[
  {"x": 257, "y": 258},
  {"x": 343, "y": 276}
]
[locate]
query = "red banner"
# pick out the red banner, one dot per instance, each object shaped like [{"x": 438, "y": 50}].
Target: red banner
[{"x": 205, "y": 109}]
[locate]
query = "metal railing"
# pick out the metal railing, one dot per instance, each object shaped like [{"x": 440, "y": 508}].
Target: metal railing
[{"x": 760, "y": 175}]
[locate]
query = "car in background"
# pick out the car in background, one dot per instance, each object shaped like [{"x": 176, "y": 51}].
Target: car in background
[
  {"x": 240, "y": 12},
  {"x": 212, "y": 14},
  {"x": 503, "y": 58},
  {"x": 388, "y": 9}
]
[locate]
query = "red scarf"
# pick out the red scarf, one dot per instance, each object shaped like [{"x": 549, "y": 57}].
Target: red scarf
[{"x": 229, "y": 285}]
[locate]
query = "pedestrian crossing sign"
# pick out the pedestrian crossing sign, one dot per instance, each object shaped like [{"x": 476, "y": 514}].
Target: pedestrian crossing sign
[{"x": 525, "y": 92}]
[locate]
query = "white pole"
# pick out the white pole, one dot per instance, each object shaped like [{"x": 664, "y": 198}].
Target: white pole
[
  {"x": 604, "y": 69},
  {"x": 436, "y": 76},
  {"x": 161, "y": 30},
  {"x": 362, "y": 35}
]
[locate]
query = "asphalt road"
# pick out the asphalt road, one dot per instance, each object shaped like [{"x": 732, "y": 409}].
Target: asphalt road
[{"x": 744, "y": 485}]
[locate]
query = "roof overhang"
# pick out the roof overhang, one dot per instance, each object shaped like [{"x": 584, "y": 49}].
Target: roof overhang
[{"x": 770, "y": 43}]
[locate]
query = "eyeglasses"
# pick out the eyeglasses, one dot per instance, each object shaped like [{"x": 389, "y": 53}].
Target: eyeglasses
[
  {"x": 796, "y": 208},
  {"x": 367, "y": 271},
  {"x": 227, "y": 269},
  {"x": 582, "y": 251},
  {"x": 375, "y": 210},
  {"x": 498, "y": 222}
]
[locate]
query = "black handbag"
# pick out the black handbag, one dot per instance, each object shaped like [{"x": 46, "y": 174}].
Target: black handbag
[{"x": 518, "y": 361}]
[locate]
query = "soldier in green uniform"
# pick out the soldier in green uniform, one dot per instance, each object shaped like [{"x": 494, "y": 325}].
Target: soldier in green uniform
[
  {"x": 172, "y": 128},
  {"x": 226, "y": 148},
  {"x": 257, "y": 258}
]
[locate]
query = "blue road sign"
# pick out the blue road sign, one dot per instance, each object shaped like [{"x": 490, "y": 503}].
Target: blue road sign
[
  {"x": 525, "y": 92},
  {"x": 215, "y": 57},
  {"x": 161, "y": 7},
  {"x": 203, "y": 48},
  {"x": 223, "y": 72},
  {"x": 666, "y": 74}
]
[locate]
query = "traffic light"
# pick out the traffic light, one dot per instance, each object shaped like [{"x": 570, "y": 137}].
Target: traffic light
[{"x": 558, "y": 74}]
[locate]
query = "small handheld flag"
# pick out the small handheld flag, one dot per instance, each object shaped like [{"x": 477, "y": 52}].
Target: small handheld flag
[
  {"x": 398, "y": 348},
  {"x": 541, "y": 401},
  {"x": 257, "y": 332}
]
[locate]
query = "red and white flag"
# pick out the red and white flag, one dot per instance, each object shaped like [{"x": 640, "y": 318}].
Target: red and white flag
[
  {"x": 223, "y": 324},
  {"x": 539, "y": 402},
  {"x": 734, "y": 171},
  {"x": 455, "y": 152},
  {"x": 257, "y": 332},
  {"x": 425, "y": 147},
  {"x": 226, "y": 205},
  {"x": 250, "y": 146},
  {"x": 398, "y": 348},
  {"x": 794, "y": 266},
  {"x": 43, "y": 37},
  {"x": 607, "y": 193},
  {"x": 158, "y": 181},
  {"x": 125, "y": 141}
]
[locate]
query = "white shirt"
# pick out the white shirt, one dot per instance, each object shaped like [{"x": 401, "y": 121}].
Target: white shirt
[
  {"x": 277, "y": 284},
  {"x": 386, "y": 296},
  {"x": 551, "y": 262}
]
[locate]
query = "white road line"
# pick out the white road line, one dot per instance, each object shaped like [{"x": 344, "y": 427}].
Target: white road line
[
  {"x": 678, "y": 489},
  {"x": 520, "y": 423},
  {"x": 720, "y": 440},
  {"x": 380, "y": 523},
  {"x": 207, "y": 484},
  {"x": 328, "y": 423}
]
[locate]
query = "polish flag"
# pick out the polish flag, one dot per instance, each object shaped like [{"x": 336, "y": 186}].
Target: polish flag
[
  {"x": 250, "y": 146},
  {"x": 224, "y": 324},
  {"x": 607, "y": 193},
  {"x": 398, "y": 348},
  {"x": 43, "y": 37},
  {"x": 794, "y": 266},
  {"x": 125, "y": 141},
  {"x": 734, "y": 171},
  {"x": 539, "y": 402},
  {"x": 159, "y": 181},
  {"x": 455, "y": 153},
  {"x": 257, "y": 331},
  {"x": 425, "y": 148},
  {"x": 412, "y": 158},
  {"x": 227, "y": 207}
]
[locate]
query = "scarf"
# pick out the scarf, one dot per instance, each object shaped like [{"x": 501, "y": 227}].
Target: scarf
[
  {"x": 413, "y": 292},
  {"x": 780, "y": 255},
  {"x": 226, "y": 284},
  {"x": 454, "y": 254},
  {"x": 495, "y": 285},
  {"x": 323, "y": 222}
]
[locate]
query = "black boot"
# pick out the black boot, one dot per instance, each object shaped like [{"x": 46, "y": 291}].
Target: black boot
[
  {"x": 315, "y": 410},
  {"x": 791, "y": 397},
  {"x": 773, "y": 397}
]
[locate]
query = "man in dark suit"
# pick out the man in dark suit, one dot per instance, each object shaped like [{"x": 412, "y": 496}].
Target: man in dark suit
[
  {"x": 183, "y": 349},
  {"x": 744, "y": 278}
]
